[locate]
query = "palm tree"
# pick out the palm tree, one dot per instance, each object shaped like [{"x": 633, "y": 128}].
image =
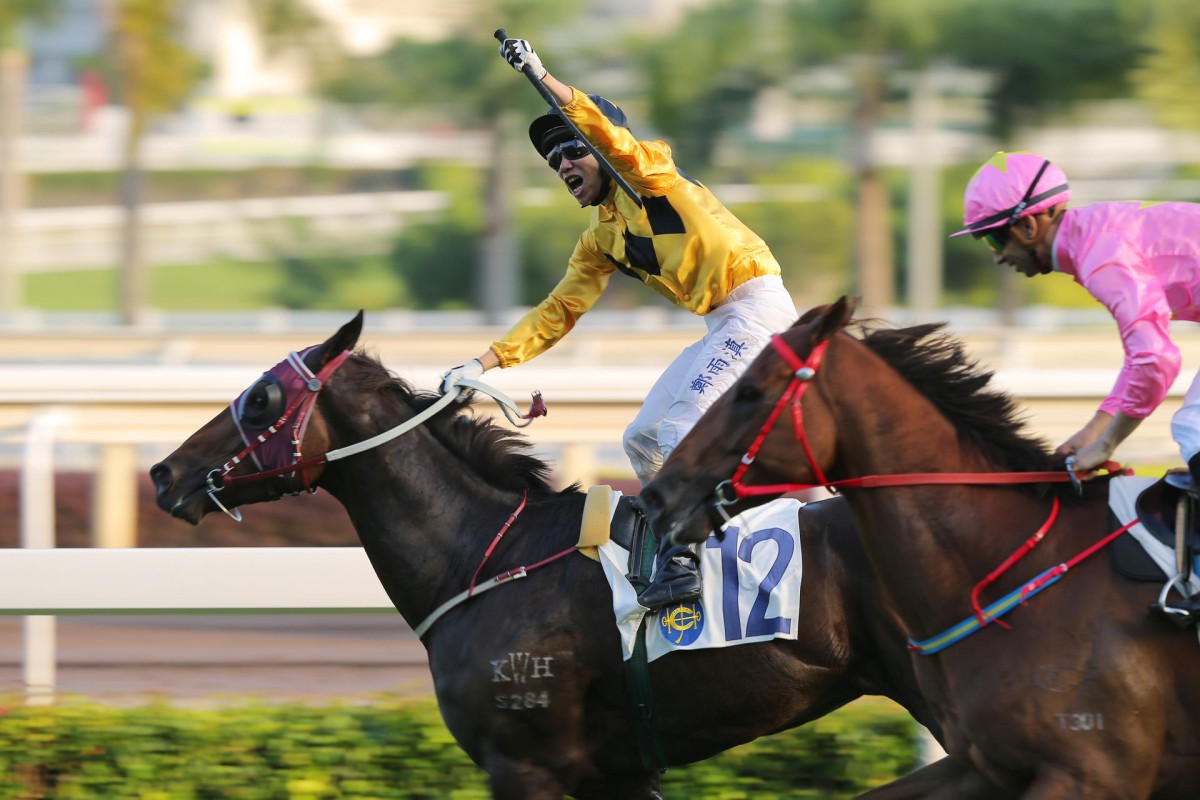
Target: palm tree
[
  {"x": 155, "y": 73},
  {"x": 13, "y": 69}
]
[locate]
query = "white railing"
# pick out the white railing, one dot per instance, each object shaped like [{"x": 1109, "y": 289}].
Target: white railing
[{"x": 40, "y": 583}]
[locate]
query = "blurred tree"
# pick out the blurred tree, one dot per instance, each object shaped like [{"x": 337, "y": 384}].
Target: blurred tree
[
  {"x": 13, "y": 69},
  {"x": 705, "y": 77},
  {"x": 871, "y": 39},
  {"x": 464, "y": 77},
  {"x": 1070, "y": 51},
  {"x": 1169, "y": 77},
  {"x": 154, "y": 74}
]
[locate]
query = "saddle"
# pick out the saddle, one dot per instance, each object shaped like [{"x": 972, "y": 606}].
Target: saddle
[
  {"x": 1167, "y": 510},
  {"x": 627, "y": 527}
]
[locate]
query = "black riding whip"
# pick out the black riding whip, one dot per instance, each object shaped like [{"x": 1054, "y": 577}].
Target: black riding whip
[{"x": 548, "y": 96}]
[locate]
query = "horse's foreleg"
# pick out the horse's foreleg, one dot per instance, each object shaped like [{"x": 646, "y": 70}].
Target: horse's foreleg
[
  {"x": 525, "y": 782},
  {"x": 946, "y": 779},
  {"x": 522, "y": 781},
  {"x": 644, "y": 787}
]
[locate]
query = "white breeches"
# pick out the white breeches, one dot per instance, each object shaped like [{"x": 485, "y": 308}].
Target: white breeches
[
  {"x": 1185, "y": 425},
  {"x": 738, "y": 330}
]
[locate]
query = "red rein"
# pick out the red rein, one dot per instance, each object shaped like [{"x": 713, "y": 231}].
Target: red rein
[{"x": 803, "y": 374}]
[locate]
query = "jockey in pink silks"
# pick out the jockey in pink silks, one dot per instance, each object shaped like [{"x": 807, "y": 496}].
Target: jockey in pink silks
[{"x": 1141, "y": 260}]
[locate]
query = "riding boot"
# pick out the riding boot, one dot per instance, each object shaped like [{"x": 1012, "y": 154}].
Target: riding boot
[
  {"x": 1194, "y": 471},
  {"x": 1192, "y": 604},
  {"x": 676, "y": 577}
]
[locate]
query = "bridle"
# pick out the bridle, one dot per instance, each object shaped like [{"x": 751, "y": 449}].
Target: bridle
[
  {"x": 804, "y": 372},
  {"x": 277, "y": 457}
]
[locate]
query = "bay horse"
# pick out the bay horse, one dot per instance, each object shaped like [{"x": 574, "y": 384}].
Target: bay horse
[
  {"x": 1081, "y": 692},
  {"x": 427, "y": 504}
]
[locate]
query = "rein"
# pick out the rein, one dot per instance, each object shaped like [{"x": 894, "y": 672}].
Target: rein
[
  {"x": 730, "y": 491},
  {"x": 491, "y": 583}
]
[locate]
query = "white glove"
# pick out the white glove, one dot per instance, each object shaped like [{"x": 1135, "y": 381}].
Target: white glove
[
  {"x": 470, "y": 370},
  {"x": 518, "y": 53}
]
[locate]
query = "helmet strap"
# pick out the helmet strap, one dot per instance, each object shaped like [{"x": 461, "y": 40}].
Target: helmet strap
[{"x": 605, "y": 188}]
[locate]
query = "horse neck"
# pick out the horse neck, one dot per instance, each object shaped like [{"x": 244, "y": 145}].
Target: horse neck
[
  {"x": 943, "y": 538},
  {"x": 423, "y": 518}
]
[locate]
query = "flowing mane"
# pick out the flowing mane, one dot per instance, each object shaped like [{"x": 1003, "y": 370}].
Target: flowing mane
[
  {"x": 498, "y": 455},
  {"x": 936, "y": 365}
]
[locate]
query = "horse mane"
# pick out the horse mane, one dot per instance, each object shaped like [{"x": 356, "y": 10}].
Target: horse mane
[
  {"x": 498, "y": 455},
  {"x": 935, "y": 364}
]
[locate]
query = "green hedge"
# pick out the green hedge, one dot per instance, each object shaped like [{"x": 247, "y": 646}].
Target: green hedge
[{"x": 393, "y": 749}]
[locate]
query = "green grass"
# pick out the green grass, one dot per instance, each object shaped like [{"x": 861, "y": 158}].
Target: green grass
[{"x": 216, "y": 286}]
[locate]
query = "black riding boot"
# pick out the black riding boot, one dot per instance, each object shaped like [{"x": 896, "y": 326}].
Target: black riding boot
[
  {"x": 1192, "y": 604},
  {"x": 1194, "y": 470},
  {"x": 676, "y": 577}
]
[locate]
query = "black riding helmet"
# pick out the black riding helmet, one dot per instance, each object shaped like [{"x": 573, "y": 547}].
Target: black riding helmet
[{"x": 549, "y": 129}]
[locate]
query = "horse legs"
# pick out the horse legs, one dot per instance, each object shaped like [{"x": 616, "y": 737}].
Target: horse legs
[
  {"x": 641, "y": 787},
  {"x": 946, "y": 779},
  {"x": 511, "y": 780},
  {"x": 524, "y": 782},
  {"x": 1056, "y": 784}
]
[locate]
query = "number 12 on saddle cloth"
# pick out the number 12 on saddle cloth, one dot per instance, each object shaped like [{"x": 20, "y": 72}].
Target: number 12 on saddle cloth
[{"x": 751, "y": 587}]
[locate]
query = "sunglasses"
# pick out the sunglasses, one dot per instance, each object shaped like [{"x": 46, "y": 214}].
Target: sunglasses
[
  {"x": 572, "y": 151},
  {"x": 995, "y": 238}
]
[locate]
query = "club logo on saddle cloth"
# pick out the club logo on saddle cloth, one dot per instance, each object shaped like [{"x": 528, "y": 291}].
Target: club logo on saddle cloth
[{"x": 751, "y": 587}]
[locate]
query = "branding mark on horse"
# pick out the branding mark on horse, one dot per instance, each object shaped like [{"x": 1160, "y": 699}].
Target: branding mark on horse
[
  {"x": 521, "y": 667},
  {"x": 681, "y": 624}
]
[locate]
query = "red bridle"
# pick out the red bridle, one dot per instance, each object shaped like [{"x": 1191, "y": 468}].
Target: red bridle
[{"x": 804, "y": 372}]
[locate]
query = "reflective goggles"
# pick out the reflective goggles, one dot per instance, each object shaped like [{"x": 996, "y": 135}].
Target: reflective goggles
[
  {"x": 572, "y": 151},
  {"x": 995, "y": 238}
]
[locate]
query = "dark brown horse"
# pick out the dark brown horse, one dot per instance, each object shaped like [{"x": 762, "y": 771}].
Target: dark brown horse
[
  {"x": 427, "y": 505},
  {"x": 1087, "y": 694}
]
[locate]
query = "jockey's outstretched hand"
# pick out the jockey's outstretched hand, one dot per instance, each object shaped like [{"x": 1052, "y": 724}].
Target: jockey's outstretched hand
[
  {"x": 518, "y": 53},
  {"x": 470, "y": 370}
]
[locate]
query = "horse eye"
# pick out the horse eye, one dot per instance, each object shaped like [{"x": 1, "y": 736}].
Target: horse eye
[
  {"x": 262, "y": 404},
  {"x": 748, "y": 393}
]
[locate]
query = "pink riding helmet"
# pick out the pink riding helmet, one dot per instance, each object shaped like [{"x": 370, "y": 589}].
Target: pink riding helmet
[{"x": 1009, "y": 186}]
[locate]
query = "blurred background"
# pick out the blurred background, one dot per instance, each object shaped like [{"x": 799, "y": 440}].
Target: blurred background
[{"x": 191, "y": 188}]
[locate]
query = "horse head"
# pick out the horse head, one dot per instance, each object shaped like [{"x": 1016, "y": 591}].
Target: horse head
[
  {"x": 255, "y": 449},
  {"x": 730, "y": 446}
]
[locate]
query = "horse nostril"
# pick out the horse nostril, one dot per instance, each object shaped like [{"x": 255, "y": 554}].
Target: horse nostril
[{"x": 160, "y": 475}]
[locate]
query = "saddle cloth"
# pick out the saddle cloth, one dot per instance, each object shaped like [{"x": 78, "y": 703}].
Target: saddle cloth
[
  {"x": 1123, "y": 492},
  {"x": 751, "y": 586}
]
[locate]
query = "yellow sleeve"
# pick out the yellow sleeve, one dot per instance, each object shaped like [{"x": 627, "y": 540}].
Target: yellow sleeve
[
  {"x": 587, "y": 275},
  {"x": 647, "y": 166}
]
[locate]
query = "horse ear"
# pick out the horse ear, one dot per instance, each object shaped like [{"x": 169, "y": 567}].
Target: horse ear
[
  {"x": 344, "y": 339},
  {"x": 828, "y": 319},
  {"x": 836, "y": 317}
]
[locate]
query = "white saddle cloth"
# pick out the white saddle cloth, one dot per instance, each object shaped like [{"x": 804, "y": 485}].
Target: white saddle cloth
[
  {"x": 1123, "y": 493},
  {"x": 751, "y": 587}
]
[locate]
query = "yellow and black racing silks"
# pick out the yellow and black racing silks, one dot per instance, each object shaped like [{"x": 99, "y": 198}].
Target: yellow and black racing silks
[{"x": 682, "y": 243}]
